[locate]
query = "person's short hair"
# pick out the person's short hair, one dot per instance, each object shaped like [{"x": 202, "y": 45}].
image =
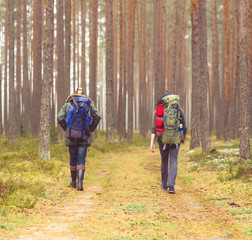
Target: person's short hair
[
  {"x": 166, "y": 91},
  {"x": 79, "y": 90}
]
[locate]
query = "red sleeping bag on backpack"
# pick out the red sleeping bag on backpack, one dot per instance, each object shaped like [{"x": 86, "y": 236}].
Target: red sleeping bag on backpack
[{"x": 159, "y": 119}]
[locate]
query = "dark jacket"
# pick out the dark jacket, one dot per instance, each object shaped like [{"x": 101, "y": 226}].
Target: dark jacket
[
  {"x": 182, "y": 121},
  {"x": 61, "y": 118}
]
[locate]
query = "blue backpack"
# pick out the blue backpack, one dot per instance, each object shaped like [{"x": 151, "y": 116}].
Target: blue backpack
[{"x": 78, "y": 119}]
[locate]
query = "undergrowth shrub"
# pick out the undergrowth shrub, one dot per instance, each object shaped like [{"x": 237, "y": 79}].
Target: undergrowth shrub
[{"x": 225, "y": 160}]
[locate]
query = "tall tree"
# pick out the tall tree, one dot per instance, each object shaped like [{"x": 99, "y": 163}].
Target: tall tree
[
  {"x": 37, "y": 64},
  {"x": 11, "y": 119},
  {"x": 250, "y": 60},
  {"x": 93, "y": 28},
  {"x": 243, "y": 65},
  {"x": 26, "y": 84},
  {"x": 182, "y": 90},
  {"x": 60, "y": 84},
  {"x": 195, "y": 130},
  {"x": 175, "y": 47},
  {"x": 74, "y": 45},
  {"x": 44, "y": 147},
  {"x": 234, "y": 91},
  {"x": 204, "y": 79},
  {"x": 67, "y": 46},
  {"x": 115, "y": 36},
  {"x": 1, "y": 121},
  {"x": 6, "y": 43},
  {"x": 141, "y": 19},
  {"x": 122, "y": 72},
  {"x": 227, "y": 70},
  {"x": 109, "y": 72},
  {"x": 18, "y": 69},
  {"x": 83, "y": 45},
  {"x": 130, "y": 65},
  {"x": 156, "y": 51},
  {"x": 215, "y": 67}
]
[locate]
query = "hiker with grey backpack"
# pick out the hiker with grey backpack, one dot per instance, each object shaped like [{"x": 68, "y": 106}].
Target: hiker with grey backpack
[
  {"x": 78, "y": 117},
  {"x": 169, "y": 127}
]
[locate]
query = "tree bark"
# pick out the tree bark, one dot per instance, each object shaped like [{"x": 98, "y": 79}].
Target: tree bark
[
  {"x": 18, "y": 71},
  {"x": 243, "y": 65},
  {"x": 26, "y": 93},
  {"x": 83, "y": 45},
  {"x": 44, "y": 146},
  {"x": 115, "y": 55},
  {"x": 204, "y": 79},
  {"x": 1, "y": 121},
  {"x": 174, "y": 59},
  {"x": 227, "y": 71},
  {"x": 11, "y": 119},
  {"x": 109, "y": 72},
  {"x": 75, "y": 85},
  {"x": 250, "y": 61},
  {"x": 122, "y": 73},
  {"x": 195, "y": 130},
  {"x": 93, "y": 48},
  {"x": 61, "y": 85},
  {"x": 215, "y": 70},
  {"x": 37, "y": 64},
  {"x": 6, "y": 43},
  {"x": 130, "y": 70},
  {"x": 67, "y": 46}
]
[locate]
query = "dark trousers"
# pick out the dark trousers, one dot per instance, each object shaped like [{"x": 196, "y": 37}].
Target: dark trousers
[{"x": 168, "y": 152}]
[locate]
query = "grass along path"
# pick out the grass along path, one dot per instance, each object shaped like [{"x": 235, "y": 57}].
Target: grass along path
[{"x": 123, "y": 200}]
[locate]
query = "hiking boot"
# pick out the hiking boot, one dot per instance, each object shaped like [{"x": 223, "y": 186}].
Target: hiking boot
[
  {"x": 73, "y": 176},
  {"x": 80, "y": 179},
  {"x": 171, "y": 190},
  {"x": 163, "y": 188}
]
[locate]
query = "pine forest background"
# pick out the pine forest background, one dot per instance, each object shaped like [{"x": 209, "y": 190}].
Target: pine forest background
[{"x": 125, "y": 53}]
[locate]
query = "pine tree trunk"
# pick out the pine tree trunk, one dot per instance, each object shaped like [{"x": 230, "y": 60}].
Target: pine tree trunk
[
  {"x": 1, "y": 121},
  {"x": 183, "y": 79},
  {"x": 122, "y": 70},
  {"x": 156, "y": 80},
  {"x": 11, "y": 119},
  {"x": 130, "y": 70},
  {"x": 174, "y": 58},
  {"x": 234, "y": 91},
  {"x": 6, "y": 43},
  {"x": 195, "y": 130},
  {"x": 93, "y": 48},
  {"x": 204, "y": 79},
  {"x": 215, "y": 69},
  {"x": 250, "y": 62},
  {"x": 83, "y": 44},
  {"x": 60, "y": 81},
  {"x": 26, "y": 93},
  {"x": 44, "y": 147},
  {"x": 115, "y": 55},
  {"x": 227, "y": 71},
  {"x": 109, "y": 72},
  {"x": 37, "y": 64},
  {"x": 74, "y": 45},
  {"x": 18, "y": 71},
  {"x": 243, "y": 65},
  {"x": 67, "y": 46}
]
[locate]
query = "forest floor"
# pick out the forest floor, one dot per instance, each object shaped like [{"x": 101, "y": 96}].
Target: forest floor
[{"x": 123, "y": 200}]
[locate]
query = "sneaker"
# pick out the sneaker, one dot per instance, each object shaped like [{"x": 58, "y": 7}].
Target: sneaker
[
  {"x": 164, "y": 188},
  {"x": 171, "y": 190}
]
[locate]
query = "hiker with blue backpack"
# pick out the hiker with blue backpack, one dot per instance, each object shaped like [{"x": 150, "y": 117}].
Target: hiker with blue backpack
[
  {"x": 78, "y": 117},
  {"x": 169, "y": 126}
]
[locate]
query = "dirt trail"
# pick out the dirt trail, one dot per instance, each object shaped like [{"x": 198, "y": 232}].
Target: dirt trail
[
  {"x": 129, "y": 204},
  {"x": 60, "y": 222}
]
